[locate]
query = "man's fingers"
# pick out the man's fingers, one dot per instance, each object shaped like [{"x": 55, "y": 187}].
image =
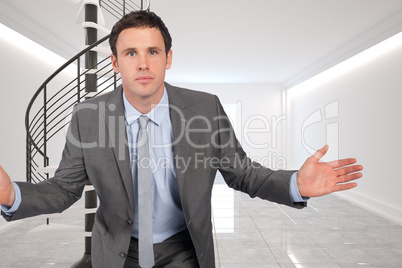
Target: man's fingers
[
  {"x": 3, "y": 173},
  {"x": 320, "y": 153},
  {"x": 349, "y": 177},
  {"x": 342, "y": 162},
  {"x": 343, "y": 187},
  {"x": 7, "y": 192},
  {"x": 348, "y": 170}
]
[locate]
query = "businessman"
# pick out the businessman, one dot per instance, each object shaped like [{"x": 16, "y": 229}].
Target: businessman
[{"x": 175, "y": 138}]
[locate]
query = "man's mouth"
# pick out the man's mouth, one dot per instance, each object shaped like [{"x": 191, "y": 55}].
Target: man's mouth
[{"x": 143, "y": 79}]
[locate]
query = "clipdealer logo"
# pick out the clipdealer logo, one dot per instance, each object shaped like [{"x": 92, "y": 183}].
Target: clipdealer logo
[{"x": 328, "y": 116}]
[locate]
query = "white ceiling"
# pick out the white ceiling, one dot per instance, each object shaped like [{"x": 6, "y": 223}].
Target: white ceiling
[{"x": 255, "y": 41}]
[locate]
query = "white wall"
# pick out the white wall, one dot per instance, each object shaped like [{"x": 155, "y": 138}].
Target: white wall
[
  {"x": 369, "y": 124},
  {"x": 22, "y": 72},
  {"x": 259, "y": 118}
]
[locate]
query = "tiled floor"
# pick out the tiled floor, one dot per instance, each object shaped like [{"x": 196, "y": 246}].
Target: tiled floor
[
  {"x": 330, "y": 232},
  {"x": 249, "y": 233}
]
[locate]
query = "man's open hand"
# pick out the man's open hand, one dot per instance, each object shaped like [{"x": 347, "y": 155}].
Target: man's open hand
[
  {"x": 7, "y": 192},
  {"x": 318, "y": 178}
]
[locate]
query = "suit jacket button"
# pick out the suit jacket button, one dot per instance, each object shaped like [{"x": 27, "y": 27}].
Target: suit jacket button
[
  {"x": 122, "y": 255},
  {"x": 130, "y": 222}
]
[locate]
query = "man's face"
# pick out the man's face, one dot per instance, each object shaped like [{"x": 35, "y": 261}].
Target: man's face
[{"x": 142, "y": 63}]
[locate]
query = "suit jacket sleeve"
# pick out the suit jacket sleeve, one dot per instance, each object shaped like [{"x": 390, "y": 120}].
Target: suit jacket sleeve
[{"x": 60, "y": 192}]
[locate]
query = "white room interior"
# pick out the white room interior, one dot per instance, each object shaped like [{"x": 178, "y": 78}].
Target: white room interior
[
  {"x": 261, "y": 59},
  {"x": 368, "y": 117},
  {"x": 232, "y": 75}
]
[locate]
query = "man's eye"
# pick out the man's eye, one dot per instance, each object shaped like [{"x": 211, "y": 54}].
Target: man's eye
[
  {"x": 153, "y": 52},
  {"x": 131, "y": 53}
]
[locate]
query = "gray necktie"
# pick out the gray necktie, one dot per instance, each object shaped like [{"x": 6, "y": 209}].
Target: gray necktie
[{"x": 145, "y": 248}]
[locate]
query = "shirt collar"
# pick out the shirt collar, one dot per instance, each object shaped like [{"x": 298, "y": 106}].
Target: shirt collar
[{"x": 156, "y": 114}]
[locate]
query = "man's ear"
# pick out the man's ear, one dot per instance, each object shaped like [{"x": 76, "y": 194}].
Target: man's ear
[
  {"x": 169, "y": 59},
  {"x": 115, "y": 64}
]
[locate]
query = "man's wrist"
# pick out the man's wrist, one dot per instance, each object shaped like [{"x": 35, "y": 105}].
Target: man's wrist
[
  {"x": 9, "y": 209},
  {"x": 294, "y": 190},
  {"x": 12, "y": 196}
]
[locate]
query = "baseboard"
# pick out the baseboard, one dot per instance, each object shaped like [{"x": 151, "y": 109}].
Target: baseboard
[{"x": 384, "y": 210}]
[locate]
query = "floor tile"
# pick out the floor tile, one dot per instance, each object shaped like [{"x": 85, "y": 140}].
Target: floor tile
[{"x": 249, "y": 232}]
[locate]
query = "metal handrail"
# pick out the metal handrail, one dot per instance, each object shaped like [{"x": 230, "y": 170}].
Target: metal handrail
[
  {"x": 39, "y": 131},
  {"x": 118, "y": 9},
  {"x": 50, "y": 78}
]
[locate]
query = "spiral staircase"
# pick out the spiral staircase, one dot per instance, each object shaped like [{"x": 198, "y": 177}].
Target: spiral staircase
[{"x": 50, "y": 108}]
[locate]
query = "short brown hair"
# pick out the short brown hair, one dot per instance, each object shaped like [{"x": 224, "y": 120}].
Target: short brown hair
[{"x": 139, "y": 19}]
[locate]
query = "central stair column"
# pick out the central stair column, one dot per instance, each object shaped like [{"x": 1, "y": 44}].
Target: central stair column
[{"x": 91, "y": 60}]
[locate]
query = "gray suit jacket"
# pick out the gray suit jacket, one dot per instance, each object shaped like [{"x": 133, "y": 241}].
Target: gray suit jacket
[{"x": 96, "y": 149}]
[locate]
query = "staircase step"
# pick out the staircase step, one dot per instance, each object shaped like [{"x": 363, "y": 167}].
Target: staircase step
[
  {"x": 47, "y": 170},
  {"x": 58, "y": 230},
  {"x": 93, "y": 94},
  {"x": 88, "y": 188},
  {"x": 88, "y": 24},
  {"x": 103, "y": 51}
]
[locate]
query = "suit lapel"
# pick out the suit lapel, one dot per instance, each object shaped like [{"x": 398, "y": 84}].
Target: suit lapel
[
  {"x": 116, "y": 128},
  {"x": 179, "y": 116}
]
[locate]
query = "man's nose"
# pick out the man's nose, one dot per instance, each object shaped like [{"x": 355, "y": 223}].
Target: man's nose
[{"x": 143, "y": 63}]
